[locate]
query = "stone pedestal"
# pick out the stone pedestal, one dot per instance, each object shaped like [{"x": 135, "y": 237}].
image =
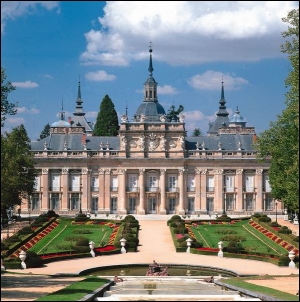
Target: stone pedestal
[
  {"x": 123, "y": 242},
  {"x": 292, "y": 257},
  {"x": 92, "y": 245},
  {"x": 220, "y": 245},
  {"x": 189, "y": 243},
  {"x": 22, "y": 257}
]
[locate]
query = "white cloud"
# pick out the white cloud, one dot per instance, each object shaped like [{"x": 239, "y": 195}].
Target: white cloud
[
  {"x": 211, "y": 80},
  {"x": 188, "y": 32},
  {"x": 167, "y": 89},
  {"x": 99, "y": 76},
  {"x": 46, "y": 75},
  {"x": 25, "y": 85},
  {"x": 196, "y": 119},
  {"x": 25, "y": 110},
  {"x": 14, "y": 9},
  {"x": 15, "y": 120},
  {"x": 91, "y": 114}
]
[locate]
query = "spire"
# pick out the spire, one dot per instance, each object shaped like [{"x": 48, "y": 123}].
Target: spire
[
  {"x": 126, "y": 110},
  {"x": 62, "y": 114},
  {"x": 222, "y": 108},
  {"x": 150, "y": 61},
  {"x": 79, "y": 101}
]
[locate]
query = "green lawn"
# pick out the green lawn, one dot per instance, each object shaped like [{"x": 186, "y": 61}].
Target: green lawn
[
  {"x": 56, "y": 240},
  {"x": 255, "y": 241}
]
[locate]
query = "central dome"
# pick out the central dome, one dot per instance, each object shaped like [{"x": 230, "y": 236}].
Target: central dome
[{"x": 151, "y": 111}]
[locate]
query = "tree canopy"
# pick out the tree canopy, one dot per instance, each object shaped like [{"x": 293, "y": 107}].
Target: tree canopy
[
  {"x": 7, "y": 108},
  {"x": 281, "y": 141},
  {"x": 45, "y": 132},
  {"x": 197, "y": 132},
  {"x": 107, "y": 123},
  {"x": 172, "y": 114},
  {"x": 17, "y": 168}
]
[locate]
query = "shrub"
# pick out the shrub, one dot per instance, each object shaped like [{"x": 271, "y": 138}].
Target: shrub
[
  {"x": 231, "y": 247},
  {"x": 117, "y": 244},
  {"x": 176, "y": 217},
  {"x": 129, "y": 217},
  {"x": 275, "y": 224},
  {"x": 224, "y": 218},
  {"x": 256, "y": 215},
  {"x": 81, "y": 218},
  {"x": 284, "y": 260},
  {"x": 52, "y": 213},
  {"x": 82, "y": 241},
  {"x": 33, "y": 260},
  {"x": 26, "y": 230},
  {"x": 197, "y": 244},
  {"x": 264, "y": 218},
  {"x": 285, "y": 230},
  {"x": 296, "y": 239}
]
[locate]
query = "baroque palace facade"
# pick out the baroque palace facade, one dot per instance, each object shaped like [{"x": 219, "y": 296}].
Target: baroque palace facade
[{"x": 151, "y": 167}]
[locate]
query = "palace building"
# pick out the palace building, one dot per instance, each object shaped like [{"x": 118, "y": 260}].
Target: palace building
[{"x": 151, "y": 167}]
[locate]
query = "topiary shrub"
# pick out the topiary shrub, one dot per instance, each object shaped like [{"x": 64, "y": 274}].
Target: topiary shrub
[
  {"x": 256, "y": 215},
  {"x": 81, "y": 218},
  {"x": 176, "y": 217},
  {"x": 33, "y": 260},
  {"x": 129, "y": 217},
  {"x": 51, "y": 213},
  {"x": 285, "y": 230},
  {"x": 197, "y": 244},
  {"x": 26, "y": 230},
  {"x": 275, "y": 224},
  {"x": 264, "y": 218},
  {"x": 231, "y": 247},
  {"x": 82, "y": 245},
  {"x": 296, "y": 239},
  {"x": 224, "y": 218}
]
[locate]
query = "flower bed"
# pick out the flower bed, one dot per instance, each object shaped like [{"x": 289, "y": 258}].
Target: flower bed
[
  {"x": 274, "y": 237},
  {"x": 113, "y": 235},
  {"x": 207, "y": 249}
]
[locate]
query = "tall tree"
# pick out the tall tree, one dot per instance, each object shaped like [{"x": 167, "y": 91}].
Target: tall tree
[
  {"x": 173, "y": 114},
  {"x": 280, "y": 143},
  {"x": 17, "y": 168},
  {"x": 45, "y": 132},
  {"x": 7, "y": 108},
  {"x": 197, "y": 132},
  {"x": 107, "y": 123}
]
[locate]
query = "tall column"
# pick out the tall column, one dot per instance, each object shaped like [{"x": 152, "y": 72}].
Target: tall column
[
  {"x": 181, "y": 192},
  {"x": 162, "y": 210},
  {"x": 84, "y": 189},
  {"x": 122, "y": 192},
  {"x": 240, "y": 186},
  {"x": 218, "y": 201},
  {"x": 102, "y": 189},
  {"x": 106, "y": 203},
  {"x": 203, "y": 191},
  {"x": 45, "y": 189},
  {"x": 197, "y": 190},
  {"x": 65, "y": 189},
  {"x": 142, "y": 191},
  {"x": 259, "y": 194}
]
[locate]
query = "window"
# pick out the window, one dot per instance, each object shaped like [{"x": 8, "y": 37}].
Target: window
[
  {"x": 229, "y": 183},
  {"x": 229, "y": 202},
  {"x": 114, "y": 183},
  {"x": 55, "y": 201},
  {"x": 75, "y": 201},
  {"x": 35, "y": 204},
  {"x": 269, "y": 203},
  {"x": 249, "y": 183},
  {"x": 191, "y": 183},
  {"x": 267, "y": 184},
  {"x": 132, "y": 183},
  {"x": 75, "y": 183},
  {"x": 37, "y": 185},
  {"x": 95, "y": 183},
  {"x": 94, "y": 204},
  {"x": 210, "y": 184},
  {"x": 55, "y": 186},
  {"x": 172, "y": 183},
  {"x": 152, "y": 183}
]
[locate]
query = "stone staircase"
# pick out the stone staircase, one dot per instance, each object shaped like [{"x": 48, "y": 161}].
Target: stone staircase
[{"x": 169, "y": 289}]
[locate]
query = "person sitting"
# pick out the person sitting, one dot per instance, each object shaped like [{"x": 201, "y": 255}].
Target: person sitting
[
  {"x": 209, "y": 280},
  {"x": 117, "y": 279}
]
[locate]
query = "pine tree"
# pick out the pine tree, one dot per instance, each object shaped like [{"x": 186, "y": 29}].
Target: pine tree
[
  {"x": 197, "y": 132},
  {"x": 107, "y": 123},
  {"x": 45, "y": 132}
]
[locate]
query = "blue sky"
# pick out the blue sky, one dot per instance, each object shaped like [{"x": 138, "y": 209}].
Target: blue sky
[{"x": 47, "y": 46}]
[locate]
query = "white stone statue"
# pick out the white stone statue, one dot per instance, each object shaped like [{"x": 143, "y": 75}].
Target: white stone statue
[
  {"x": 181, "y": 117},
  {"x": 162, "y": 142},
  {"x": 162, "y": 118},
  {"x": 123, "y": 142},
  {"x": 142, "y": 119},
  {"x": 181, "y": 139},
  {"x": 124, "y": 118},
  {"x": 142, "y": 142}
]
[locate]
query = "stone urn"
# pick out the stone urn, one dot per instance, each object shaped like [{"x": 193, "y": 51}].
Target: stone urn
[
  {"x": 22, "y": 257},
  {"x": 92, "y": 246},
  {"x": 123, "y": 242},
  {"x": 220, "y": 246},
  {"x": 189, "y": 243},
  {"x": 292, "y": 257}
]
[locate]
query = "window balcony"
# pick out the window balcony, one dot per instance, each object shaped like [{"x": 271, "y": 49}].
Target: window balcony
[
  {"x": 191, "y": 189},
  {"x": 229, "y": 189},
  {"x": 210, "y": 189},
  {"x": 74, "y": 189},
  {"x": 114, "y": 189},
  {"x": 94, "y": 189},
  {"x": 172, "y": 189},
  {"x": 152, "y": 189},
  {"x": 54, "y": 188},
  {"x": 249, "y": 189},
  {"x": 132, "y": 189}
]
